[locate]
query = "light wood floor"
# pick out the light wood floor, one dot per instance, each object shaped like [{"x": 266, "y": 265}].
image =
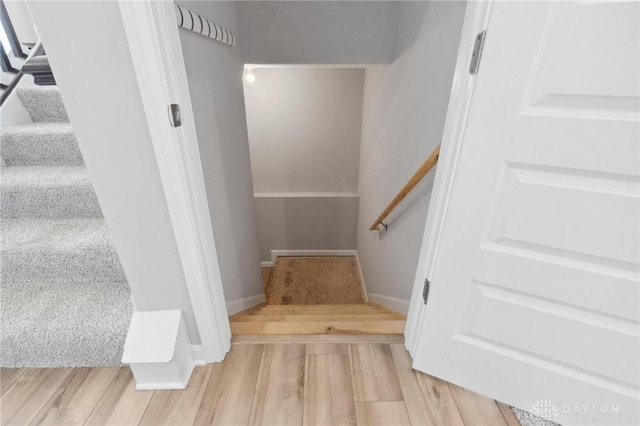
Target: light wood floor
[
  {"x": 363, "y": 318},
  {"x": 323, "y": 382}
]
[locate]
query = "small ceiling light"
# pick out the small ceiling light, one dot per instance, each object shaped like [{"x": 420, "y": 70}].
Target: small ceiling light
[{"x": 249, "y": 75}]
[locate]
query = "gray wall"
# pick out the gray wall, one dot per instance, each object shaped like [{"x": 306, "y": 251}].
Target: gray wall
[
  {"x": 214, "y": 72},
  {"x": 304, "y": 136},
  {"x": 306, "y": 223},
  {"x": 111, "y": 127},
  {"x": 317, "y": 32},
  {"x": 403, "y": 118},
  {"x": 304, "y": 128}
]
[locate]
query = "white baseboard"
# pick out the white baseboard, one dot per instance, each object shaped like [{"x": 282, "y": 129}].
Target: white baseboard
[
  {"x": 197, "y": 354},
  {"x": 392, "y": 303},
  {"x": 276, "y": 253},
  {"x": 239, "y": 305},
  {"x": 364, "y": 287}
]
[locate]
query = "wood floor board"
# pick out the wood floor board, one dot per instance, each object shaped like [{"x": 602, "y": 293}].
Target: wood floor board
[
  {"x": 228, "y": 397},
  {"x": 121, "y": 404},
  {"x": 278, "y": 397},
  {"x": 476, "y": 409},
  {"x": 420, "y": 410},
  {"x": 382, "y": 413},
  {"x": 8, "y": 377},
  {"x": 318, "y": 317},
  {"x": 327, "y": 348},
  {"x": 328, "y": 391},
  {"x": 29, "y": 394},
  {"x": 62, "y": 397},
  {"x": 374, "y": 373},
  {"x": 508, "y": 414},
  {"x": 316, "y": 338},
  {"x": 80, "y": 406},
  {"x": 314, "y": 380},
  {"x": 174, "y": 407},
  {"x": 319, "y": 327}
]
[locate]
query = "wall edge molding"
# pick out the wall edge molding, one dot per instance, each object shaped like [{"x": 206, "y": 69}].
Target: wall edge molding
[
  {"x": 238, "y": 305},
  {"x": 393, "y": 303}
]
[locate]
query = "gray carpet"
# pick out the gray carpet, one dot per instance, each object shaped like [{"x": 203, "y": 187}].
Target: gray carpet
[
  {"x": 529, "y": 419},
  {"x": 64, "y": 297}
]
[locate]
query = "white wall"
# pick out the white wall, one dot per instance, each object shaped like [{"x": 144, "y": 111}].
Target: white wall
[
  {"x": 304, "y": 128},
  {"x": 317, "y": 32},
  {"x": 306, "y": 223},
  {"x": 214, "y": 72},
  {"x": 304, "y": 135},
  {"x": 405, "y": 105},
  {"x": 100, "y": 92}
]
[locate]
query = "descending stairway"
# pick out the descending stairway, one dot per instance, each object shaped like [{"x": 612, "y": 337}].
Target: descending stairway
[
  {"x": 366, "y": 318},
  {"x": 65, "y": 300}
]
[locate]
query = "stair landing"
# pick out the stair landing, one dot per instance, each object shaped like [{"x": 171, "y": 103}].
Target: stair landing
[{"x": 366, "y": 318}]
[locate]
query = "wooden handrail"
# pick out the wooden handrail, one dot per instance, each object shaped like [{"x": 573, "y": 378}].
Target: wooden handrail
[{"x": 415, "y": 179}]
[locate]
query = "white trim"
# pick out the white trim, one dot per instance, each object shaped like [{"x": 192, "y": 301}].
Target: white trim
[
  {"x": 267, "y": 264},
  {"x": 393, "y": 303},
  {"x": 239, "y": 305},
  {"x": 364, "y": 287},
  {"x": 254, "y": 66},
  {"x": 197, "y": 354},
  {"x": 475, "y": 21},
  {"x": 157, "y": 56},
  {"x": 306, "y": 195},
  {"x": 282, "y": 253},
  {"x": 160, "y": 386}
]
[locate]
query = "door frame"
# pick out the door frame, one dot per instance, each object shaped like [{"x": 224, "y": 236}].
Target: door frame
[
  {"x": 154, "y": 41},
  {"x": 462, "y": 88}
]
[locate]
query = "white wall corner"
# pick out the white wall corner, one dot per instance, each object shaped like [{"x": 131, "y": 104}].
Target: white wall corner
[
  {"x": 158, "y": 350},
  {"x": 393, "y": 303},
  {"x": 239, "y": 305}
]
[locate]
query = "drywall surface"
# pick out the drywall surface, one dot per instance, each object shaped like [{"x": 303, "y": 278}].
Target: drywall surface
[
  {"x": 317, "y": 32},
  {"x": 304, "y": 128},
  {"x": 404, "y": 111},
  {"x": 100, "y": 92},
  {"x": 304, "y": 135},
  {"x": 214, "y": 72},
  {"x": 306, "y": 223}
]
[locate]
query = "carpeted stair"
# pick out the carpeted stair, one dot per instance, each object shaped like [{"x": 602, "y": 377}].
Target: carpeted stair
[{"x": 65, "y": 301}]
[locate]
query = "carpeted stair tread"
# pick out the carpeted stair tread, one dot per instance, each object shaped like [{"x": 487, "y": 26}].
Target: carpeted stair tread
[
  {"x": 74, "y": 250},
  {"x": 64, "y": 324},
  {"x": 48, "y": 192},
  {"x": 43, "y": 103},
  {"x": 40, "y": 144}
]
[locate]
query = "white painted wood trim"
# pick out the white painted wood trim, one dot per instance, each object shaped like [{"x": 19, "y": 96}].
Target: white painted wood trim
[
  {"x": 282, "y": 253},
  {"x": 239, "y": 305},
  {"x": 306, "y": 195},
  {"x": 153, "y": 38},
  {"x": 364, "y": 287},
  {"x": 475, "y": 21},
  {"x": 197, "y": 354},
  {"x": 393, "y": 303}
]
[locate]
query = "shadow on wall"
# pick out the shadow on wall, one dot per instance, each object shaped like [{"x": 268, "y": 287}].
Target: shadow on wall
[{"x": 411, "y": 28}]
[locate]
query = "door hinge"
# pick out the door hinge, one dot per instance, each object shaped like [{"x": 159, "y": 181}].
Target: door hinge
[
  {"x": 174, "y": 115},
  {"x": 477, "y": 53},
  {"x": 425, "y": 290}
]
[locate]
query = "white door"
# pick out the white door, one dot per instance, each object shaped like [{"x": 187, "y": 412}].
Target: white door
[{"x": 535, "y": 293}]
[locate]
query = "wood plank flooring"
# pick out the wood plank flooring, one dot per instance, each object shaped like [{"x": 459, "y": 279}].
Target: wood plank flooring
[{"x": 329, "y": 380}]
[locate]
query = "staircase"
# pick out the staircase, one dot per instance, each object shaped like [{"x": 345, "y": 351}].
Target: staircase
[
  {"x": 65, "y": 301},
  {"x": 366, "y": 318}
]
